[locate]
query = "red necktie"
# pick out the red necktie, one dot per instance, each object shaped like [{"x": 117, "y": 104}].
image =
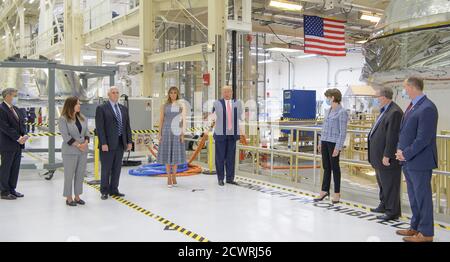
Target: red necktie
[
  {"x": 409, "y": 109},
  {"x": 230, "y": 123}
]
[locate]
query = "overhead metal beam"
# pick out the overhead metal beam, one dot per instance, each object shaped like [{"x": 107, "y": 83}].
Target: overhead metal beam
[
  {"x": 164, "y": 5},
  {"x": 186, "y": 54},
  {"x": 116, "y": 27}
]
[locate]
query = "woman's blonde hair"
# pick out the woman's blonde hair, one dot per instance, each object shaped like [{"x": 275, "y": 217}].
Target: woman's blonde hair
[{"x": 173, "y": 88}]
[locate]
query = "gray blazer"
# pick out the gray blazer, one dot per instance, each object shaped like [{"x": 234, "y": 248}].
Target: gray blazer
[{"x": 69, "y": 132}]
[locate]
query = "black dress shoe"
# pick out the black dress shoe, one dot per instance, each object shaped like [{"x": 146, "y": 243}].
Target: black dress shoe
[
  {"x": 104, "y": 197},
  {"x": 17, "y": 194},
  {"x": 71, "y": 204},
  {"x": 232, "y": 183},
  {"x": 117, "y": 195},
  {"x": 81, "y": 202},
  {"x": 378, "y": 210},
  {"x": 9, "y": 197},
  {"x": 221, "y": 183},
  {"x": 387, "y": 217}
]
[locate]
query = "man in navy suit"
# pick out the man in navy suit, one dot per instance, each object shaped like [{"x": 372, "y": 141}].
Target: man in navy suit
[
  {"x": 228, "y": 115},
  {"x": 417, "y": 150},
  {"x": 12, "y": 140},
  {"x": 112, "y": 122}
]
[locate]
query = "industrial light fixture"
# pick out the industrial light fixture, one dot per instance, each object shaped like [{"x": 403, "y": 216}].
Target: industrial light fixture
[
  {"x": 266, "y": 62},
  {"x": 371, "y": 17},
  {"x": 286, "y": 5},
  {"x": 89, "y": 57},
  {"x": 261, "y": 54},
  {"x": 117, "y": 53},
  {"x": 361, "y": 42},
  {"x": 128, "y": 48}
]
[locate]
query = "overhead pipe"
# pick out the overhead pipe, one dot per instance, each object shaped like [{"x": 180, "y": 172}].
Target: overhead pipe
[
  {"x": 351, "y": 69},
  {"x": 348, "y": 5}
]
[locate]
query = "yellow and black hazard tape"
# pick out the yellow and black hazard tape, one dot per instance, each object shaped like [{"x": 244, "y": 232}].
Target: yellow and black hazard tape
[
  {"x": 297, "y": 119},
  {"x": 135, "y": 132},
  {"x": 158, "y": 218},
  {"x": 36, "y": 124},
  {"x": 360, "y": 206}
]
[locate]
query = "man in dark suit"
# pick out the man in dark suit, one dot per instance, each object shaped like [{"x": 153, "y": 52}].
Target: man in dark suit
[
  {"x": 114, "y": 133},
  {"x": 31, "y": 119},
  {"x": 228, "y": 115},
  {"x": 417, "y": 150},
  {"x": 383, "y": 141},
  {"x": 12, "y": 140}
]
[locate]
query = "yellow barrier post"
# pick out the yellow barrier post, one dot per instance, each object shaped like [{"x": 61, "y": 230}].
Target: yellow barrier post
[
  {"x": 96, "y": 180},
  {"x": 211, "y": 170}
]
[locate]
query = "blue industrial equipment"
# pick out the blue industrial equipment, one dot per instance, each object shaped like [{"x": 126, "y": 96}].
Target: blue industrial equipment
[{"x": 299, "y": 105}]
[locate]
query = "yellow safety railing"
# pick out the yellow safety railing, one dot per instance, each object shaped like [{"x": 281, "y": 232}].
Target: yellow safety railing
[{"x": 357, "y": 170}]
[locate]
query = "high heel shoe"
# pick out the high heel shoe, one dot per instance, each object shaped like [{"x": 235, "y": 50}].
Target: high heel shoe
[
  {"x": 338, "y": 201},
  {"x": 320, "y": 199}
]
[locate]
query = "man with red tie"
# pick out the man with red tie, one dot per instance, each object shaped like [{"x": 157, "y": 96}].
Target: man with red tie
[
  {"x": 228, "y": 116},
  {"x": 417, "y": 151},
  {"x": 12, "y": 141}
]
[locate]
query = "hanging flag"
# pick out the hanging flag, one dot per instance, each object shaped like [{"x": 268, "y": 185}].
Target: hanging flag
[{"x": 324, "y": 36}]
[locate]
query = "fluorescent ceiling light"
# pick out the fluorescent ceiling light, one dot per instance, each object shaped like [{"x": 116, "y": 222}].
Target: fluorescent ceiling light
[
  {"x": 286, "y": 5},
  {"x": 123, "y": 63},
  {"x": 128, "y": 48},
  {"x": 371, "y": 18},
  {"x": 283, "y": 50},
  {"x": 89, "y": 57},
  {"x": 361, "y": 42},
  {"x": 261, "y": 54},
  {"x": 109, "y": 62},
  {"x": 305, "y": 56},
  {"x": 266, "y": 62},
  {"x": 117, "y": 52}
]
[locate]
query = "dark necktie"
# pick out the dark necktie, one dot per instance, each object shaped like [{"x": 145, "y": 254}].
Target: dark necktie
[
  {"x": 408, "y": 110},
  {"x": 14, "y": 113},
  {"x": 378, "y": 121},
  {"x": 119, "y": 120}
]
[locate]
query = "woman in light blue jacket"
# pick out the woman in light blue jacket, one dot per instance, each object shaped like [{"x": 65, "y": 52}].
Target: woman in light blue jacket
[
  {"x": 75, "y": 133},
  {"x": 334, "y": 133}
]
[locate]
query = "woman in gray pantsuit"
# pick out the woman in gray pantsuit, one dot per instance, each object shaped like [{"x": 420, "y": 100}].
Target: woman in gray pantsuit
[
  {"x": 74, "y": 130},
  {"x": 172, "y": 150}
]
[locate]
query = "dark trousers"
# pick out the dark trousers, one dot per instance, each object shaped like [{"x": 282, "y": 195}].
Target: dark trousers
[
  {"x": 389, "y": 183},
  {"x": 111, "y": 168},
  {"x": 30, "y": 125},
  {"x": 226, "y": 158},
  {"x": 421, "y": 200},
  {"x": 9, "y": 171},
  {"x": 330, "y": 165}
]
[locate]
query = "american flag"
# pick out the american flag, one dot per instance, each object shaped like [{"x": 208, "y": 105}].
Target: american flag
[{"x": 324, "y": 36}]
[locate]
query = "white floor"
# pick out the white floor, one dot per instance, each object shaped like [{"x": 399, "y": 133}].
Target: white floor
[{"x": 231, "y": 213}]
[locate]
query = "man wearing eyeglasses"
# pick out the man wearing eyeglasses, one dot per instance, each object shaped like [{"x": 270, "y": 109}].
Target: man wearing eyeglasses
[{"x": 383, "y": 140}]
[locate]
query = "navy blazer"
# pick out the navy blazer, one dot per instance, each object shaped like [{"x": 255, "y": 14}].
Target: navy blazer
[
  {"x": 105, "y": 124},
  {"x": 418, "y": 136},
  {"x": 11, "y": 129}
]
